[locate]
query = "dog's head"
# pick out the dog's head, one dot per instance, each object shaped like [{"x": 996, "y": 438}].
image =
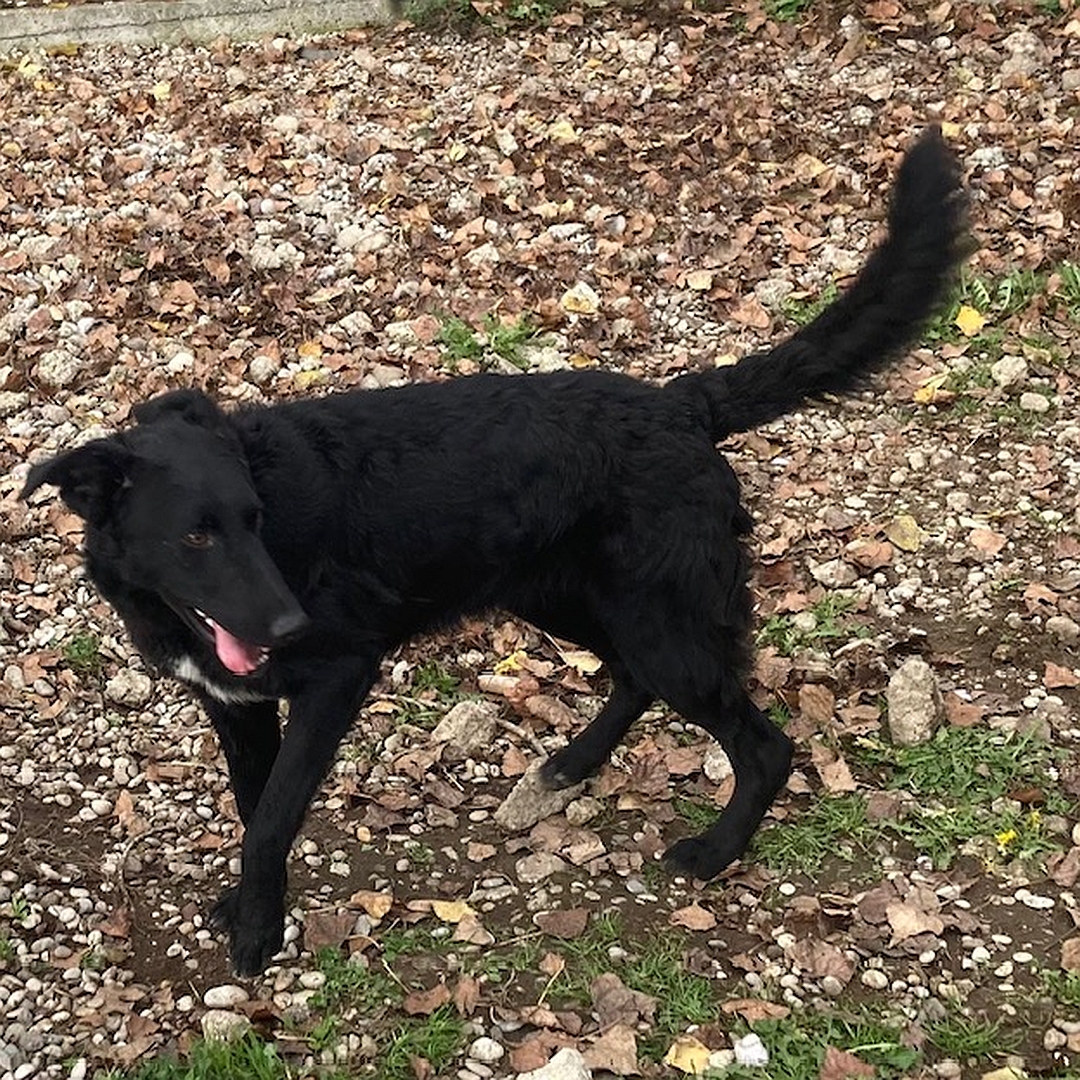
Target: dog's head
[{"x": 171, "y": 510}]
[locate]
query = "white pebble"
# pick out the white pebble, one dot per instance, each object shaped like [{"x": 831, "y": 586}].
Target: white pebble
[{"x": 224, "y": 997}]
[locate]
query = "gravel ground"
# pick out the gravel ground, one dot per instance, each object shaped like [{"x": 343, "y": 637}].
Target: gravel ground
[{"x": 286, "y": 219}]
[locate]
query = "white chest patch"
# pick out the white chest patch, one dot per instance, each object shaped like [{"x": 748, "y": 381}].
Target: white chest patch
[{"x": 188, "y": 671}]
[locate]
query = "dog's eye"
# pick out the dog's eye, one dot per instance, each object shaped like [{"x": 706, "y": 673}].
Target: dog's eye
[{"x": 198, "y": 539}]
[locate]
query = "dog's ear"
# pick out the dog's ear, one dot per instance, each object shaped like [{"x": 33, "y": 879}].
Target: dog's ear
[
  {"x": 89, "y": 477},
  {"x": 191, "y": 405}
]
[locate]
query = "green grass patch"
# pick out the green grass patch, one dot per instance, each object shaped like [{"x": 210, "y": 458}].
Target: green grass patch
[
  {"x": 436, "y": 1039},
  {"x": 969, "y": 1038},
  {"x": 433, "y": 678},
  {"x": 1068, "y": 292},
  {"x": 967, "y": 765},
  {"x": 352, "y": 983},
  {"x": 82, "y": 654},
  {"x": 802, "y": 310},
  {"x": 698, "y": 814},
  {"x": 798, "y": 1042},
  {"x": 961, "y": 782},
  {"x": 1062, "y": 987},
  {"x": 495, "y": 339},
  {"x": 833, "y": 826},
  {"x": 786, "y": 10},
  {"x": 823, "y": 623},
  {"x": 247, "y": 1058}
]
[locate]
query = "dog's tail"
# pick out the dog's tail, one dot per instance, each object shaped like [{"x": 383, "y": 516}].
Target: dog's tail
[{"x": 883, "y": 311}]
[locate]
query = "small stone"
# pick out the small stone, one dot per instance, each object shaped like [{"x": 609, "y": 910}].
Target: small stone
[
  {"x": 312, "y": 980},
  {"x": 534, "y": 868},
  {"x": 914, "y": 700},
  {"x": 1036, "y": 403},
  {"x": 1009, "y": 370},
  {"x": 1063, "y": 627},
  {"x": 834, "y": 574},
  {"x": 750, "y": 1051},
  {"x": 1027, "y": 54},
  {"x": 530, "y": 801},
  {"x": 567, "y": 1064},
  {"x": 1070, "y": 80},
  {"x": 220, "y": 1025},
  {"x": 226, "y": 996},
  {"x": 130, "y": 688},
  {"x": 581, "y": 811},
  {"x": 263, "y": 368},
  {"x": 469, "y": 726},
  {"x": 874, "y": 979},
  {"x": 486, "y": 1050},
  {"x": 58, "y": 368}
]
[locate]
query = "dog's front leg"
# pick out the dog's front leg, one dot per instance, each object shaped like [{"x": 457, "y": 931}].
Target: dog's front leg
[
  {"x": 250, "y": 736},
  {"x": 253, "y": 913}
]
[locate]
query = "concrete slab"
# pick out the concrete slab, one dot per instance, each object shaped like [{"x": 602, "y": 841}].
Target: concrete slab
[{"x": 167, "y": 22}]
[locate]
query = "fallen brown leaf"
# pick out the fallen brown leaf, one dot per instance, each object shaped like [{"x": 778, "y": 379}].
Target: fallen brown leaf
[
  {"x": 425, "y": 1002},
  {"x": 817, "y": 703},
  {"x": 466, "y": 995},
  {"x": 1070, "y": 954},
  {"x": 566, "y": 924},
  {"x": 1057, "y": 677},
  {"x": 907, "y": 920},
  {"x": 832, "y": 768},
  {"x": 754, "y": 1009},
  {"x": 615, "y": 1051},
  {"x": 840, "y": 1065},
  {"x": 327, "y": 929},
  {"x": 375, "y": 904},
  {"x": 693, "y": 917},
  {"x": 616, "y": 1003}
]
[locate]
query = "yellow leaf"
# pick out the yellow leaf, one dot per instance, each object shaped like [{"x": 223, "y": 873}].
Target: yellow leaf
[
  {"x": 562, "y": 131},
  {"x": 27, "y": 68},
  {"x": 580, "y": 360},
  {"x": 969, "y": 320},
  {"x": 376, "y": 904},
  {"x": 161, "y": 91},
  {"x": 456, "y": 151},
  {"x": 699, "y": 280},
  {"x": 931, "y": 390},
  {"x": 304, "y": 380},
  {"x": 451, "y": 911},
  {"x": 688, "y": 1055},
  {"x": 510, "y": 663},
  {"x": 310, "y": 350},
  {"x": 580, "y": 299},
  {"x": 904, "y": 532},
  {"x": 950, "y": 129}
]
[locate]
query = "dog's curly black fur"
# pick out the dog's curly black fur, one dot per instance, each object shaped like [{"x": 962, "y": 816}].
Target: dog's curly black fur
[{"x": 280, "y": 552}]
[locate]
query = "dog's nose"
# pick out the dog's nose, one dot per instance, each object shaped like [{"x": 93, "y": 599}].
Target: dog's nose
[{"x": 289, "y": 625}]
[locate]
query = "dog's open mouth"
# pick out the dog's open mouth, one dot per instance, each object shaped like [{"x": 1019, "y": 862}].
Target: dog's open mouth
[{"x": 239, "y": 657}]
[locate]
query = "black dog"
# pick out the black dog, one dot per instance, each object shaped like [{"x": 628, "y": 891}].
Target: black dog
[{"x": 280, "y": 552}]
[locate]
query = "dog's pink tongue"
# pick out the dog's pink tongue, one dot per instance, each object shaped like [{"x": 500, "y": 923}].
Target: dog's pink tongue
[{"x": 238, "y": 656}]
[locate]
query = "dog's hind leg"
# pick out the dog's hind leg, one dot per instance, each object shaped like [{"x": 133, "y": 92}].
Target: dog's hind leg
[
  {"x": 588, "y": 751},
  {"x": 760, "y": 755},
  {"x": 250, "y": 736}
]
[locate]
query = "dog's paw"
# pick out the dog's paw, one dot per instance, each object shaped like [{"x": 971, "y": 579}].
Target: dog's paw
[
  {"x": 254, "y": 937},
  {"x": 253, "y": 946},
  {"x": 697, "y": 858},
  {"x": 563, "y": 770},
  {"x": 223, "y": 914}
]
